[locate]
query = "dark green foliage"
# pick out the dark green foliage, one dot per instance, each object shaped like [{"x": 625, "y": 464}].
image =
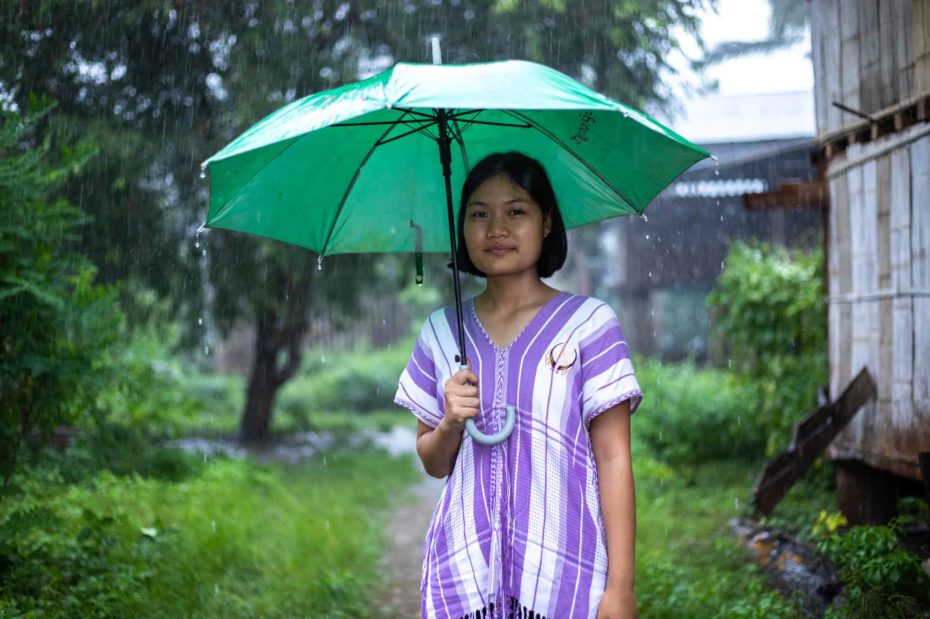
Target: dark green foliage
[
  {"x": 881, "y": 580},
  {"x": 691, "y": 415},
  {"x": 769, "y": 308},
  {"x": 54, "y": 321}
]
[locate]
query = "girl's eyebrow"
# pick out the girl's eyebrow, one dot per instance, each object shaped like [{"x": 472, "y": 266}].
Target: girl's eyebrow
[{"x": 510, "y": 201}]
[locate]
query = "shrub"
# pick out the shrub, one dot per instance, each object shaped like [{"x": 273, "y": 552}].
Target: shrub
[
  {"x": 880, "y": 578},
  {"x": 769, "y": 308},
  {"x": 691, "y": 415},
  {"x": 354, "y": 382},
  {"x": 54, "y": 321}
]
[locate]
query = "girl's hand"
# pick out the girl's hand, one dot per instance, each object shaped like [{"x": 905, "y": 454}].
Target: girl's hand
[
  {"x": 617, "y": 603},
  {"x": 461, "y": 396}
]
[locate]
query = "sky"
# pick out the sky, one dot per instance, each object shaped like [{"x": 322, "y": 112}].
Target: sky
[
  {"x": 777, "y": 86},
  {"x": 782, "y": 71}
]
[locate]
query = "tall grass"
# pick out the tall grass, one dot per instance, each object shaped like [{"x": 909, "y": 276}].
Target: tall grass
[{"x": 236, "y": 539}]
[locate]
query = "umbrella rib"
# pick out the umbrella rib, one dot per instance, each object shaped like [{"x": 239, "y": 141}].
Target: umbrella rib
[
  {"x": 413, "y": 112},
  {"x": 419, "y": 129},
  {"x": 571, "y": 152},
  {"x": 457, "y": 136},
  {"x": 399, "y": 121}
]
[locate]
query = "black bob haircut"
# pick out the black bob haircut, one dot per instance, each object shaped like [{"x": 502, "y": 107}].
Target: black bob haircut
[{"x": 529, "y": 174}]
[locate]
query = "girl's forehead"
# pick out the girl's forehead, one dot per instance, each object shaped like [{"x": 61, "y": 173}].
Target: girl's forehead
[{"x": 500, "y": 187}]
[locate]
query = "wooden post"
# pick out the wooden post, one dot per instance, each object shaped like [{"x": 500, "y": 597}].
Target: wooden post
[{"x": 811, "y": 437}]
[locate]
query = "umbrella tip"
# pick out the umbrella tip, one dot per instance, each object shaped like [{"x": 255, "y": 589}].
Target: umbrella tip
[{"x": 437, "y": 51}]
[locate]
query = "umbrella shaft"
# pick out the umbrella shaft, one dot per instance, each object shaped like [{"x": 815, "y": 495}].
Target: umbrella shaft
[{"x": 445, "y": 157}]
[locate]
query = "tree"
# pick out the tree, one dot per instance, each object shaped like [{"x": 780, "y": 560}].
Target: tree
[
  {"x": 53, "y": 320},
  {"x": 161, "y": 85}
]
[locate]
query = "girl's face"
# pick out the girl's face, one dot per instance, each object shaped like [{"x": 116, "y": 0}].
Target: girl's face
[{"x": 504, "y": 228}]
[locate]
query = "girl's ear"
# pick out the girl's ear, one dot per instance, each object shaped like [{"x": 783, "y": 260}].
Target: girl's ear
[{"x": 547, "y": 225}]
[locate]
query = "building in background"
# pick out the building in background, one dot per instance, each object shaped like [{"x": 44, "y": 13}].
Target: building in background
[
  {"x": 873, "y": 59},
  {"x": 657, "y": 271}
]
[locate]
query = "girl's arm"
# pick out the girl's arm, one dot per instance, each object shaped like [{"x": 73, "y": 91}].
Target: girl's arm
[
  {"x": 610, "y": 441},
  {"x": 439, "y": 446}
]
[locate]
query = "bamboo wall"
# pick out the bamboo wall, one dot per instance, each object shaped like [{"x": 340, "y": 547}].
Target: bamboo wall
[
  {"x": 879, "y": 264},
  {"x": 868, "y": 55},
  {"x": 874, "y": 55}
]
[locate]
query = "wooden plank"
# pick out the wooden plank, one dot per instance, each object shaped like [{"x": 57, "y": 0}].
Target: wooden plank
[
  {"x": 870, "y": 83},
  {"x": 870, "y": 325},
  {"x": 839, "y": 200},
  {"x": 832, "y": 62},
  {"x": 811, "y": 436},
  {"x": 920, "y": 273},
  {"x": 857, "y": 239},
  {"x": 835, "y": 334},
  {"x": 818, "y": 34},
  {"x": 921, "y": 13},
  {"x": 883, "y": 221},
  {"x": 901, "y": 14},
  {"x": 849, "y": 73},
  {"x": 885, "y": 318},
  {"x": 922, "y": 54},
  {"x": 888, "y": 72},
  {"x": 902, "y": 363}
]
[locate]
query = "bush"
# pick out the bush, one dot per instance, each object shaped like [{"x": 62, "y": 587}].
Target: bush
[
  {"x": 691, "y": 415},
  {"x": 769, "y": 309},
  {"x": 54, "y": 322},
  {"x": 354, "y": 382},
  {"x": 880, "y": 578}
]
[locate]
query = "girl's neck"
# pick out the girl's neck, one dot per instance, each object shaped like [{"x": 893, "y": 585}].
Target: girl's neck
[{"x": 510, "y": 293}]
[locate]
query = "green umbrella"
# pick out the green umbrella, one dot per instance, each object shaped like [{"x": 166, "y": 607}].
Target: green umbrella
[{"x": 357, "y": 169}]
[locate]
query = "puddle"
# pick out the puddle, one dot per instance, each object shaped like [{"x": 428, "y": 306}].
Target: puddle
[{"x": 397, "y": 441}]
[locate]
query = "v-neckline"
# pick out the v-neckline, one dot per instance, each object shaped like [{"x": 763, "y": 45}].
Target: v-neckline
[{"x": 539, "y": 313}]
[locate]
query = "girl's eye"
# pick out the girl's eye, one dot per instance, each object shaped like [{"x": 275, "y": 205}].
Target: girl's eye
[
  {"x": 478, "y": 214},
  {"x": 517, "y": 211}
]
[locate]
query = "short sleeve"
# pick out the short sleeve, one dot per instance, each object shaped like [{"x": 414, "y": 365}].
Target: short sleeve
[
  {"x": 607, "y": 369},
  {"x": 417, "y": 388}
]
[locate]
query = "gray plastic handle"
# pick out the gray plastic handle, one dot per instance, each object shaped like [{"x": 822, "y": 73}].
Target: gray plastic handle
[{"x": 498, "y": 437}]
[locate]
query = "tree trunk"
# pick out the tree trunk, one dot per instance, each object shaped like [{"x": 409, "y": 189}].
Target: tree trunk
[{"x": 270, "y": 370}]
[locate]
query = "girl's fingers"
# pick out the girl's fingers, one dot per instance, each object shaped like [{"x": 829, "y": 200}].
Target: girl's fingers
[
  {"x": 462, "y": 391},
  {"x": 465, "y": 376}
]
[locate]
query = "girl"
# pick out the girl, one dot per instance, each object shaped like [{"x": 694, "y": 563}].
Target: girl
[{"x": 543, "y": 524}]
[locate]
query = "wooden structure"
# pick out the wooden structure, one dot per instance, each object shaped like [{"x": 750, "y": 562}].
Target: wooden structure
[
  {"x": 811, "y": 436},
  {"x": 872, "y": 100}
]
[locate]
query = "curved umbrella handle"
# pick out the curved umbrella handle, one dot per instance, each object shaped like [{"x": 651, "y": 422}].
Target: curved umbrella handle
[{"x": 500, "y": 436}]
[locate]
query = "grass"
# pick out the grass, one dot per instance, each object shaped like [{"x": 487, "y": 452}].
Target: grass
[
  {"x": 689, "y": 563},
  {"x": 234, "y": 539}
]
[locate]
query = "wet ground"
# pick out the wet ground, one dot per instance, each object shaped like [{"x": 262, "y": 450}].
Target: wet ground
[{"x": 403, "y": 561}]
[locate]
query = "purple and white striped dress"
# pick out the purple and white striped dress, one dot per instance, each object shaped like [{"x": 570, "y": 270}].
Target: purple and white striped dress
[{"x": 518, "y": 527}]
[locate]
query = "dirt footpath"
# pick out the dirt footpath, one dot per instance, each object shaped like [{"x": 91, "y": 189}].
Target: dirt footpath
[{"x": 403, "y": 562}]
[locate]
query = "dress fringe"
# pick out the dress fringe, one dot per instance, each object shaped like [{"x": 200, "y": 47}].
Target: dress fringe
[{"x": 516, "y": 611}]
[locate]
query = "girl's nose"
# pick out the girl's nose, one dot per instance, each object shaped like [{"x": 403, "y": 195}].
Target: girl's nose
[{"x": 497, "y": 227}]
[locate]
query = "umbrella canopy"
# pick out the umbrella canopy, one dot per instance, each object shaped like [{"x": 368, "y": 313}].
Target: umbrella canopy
[{"x": 349, "y": 170}]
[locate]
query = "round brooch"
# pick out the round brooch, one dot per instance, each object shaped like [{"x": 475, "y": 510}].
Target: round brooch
[{"x": 561, "y": 358}]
